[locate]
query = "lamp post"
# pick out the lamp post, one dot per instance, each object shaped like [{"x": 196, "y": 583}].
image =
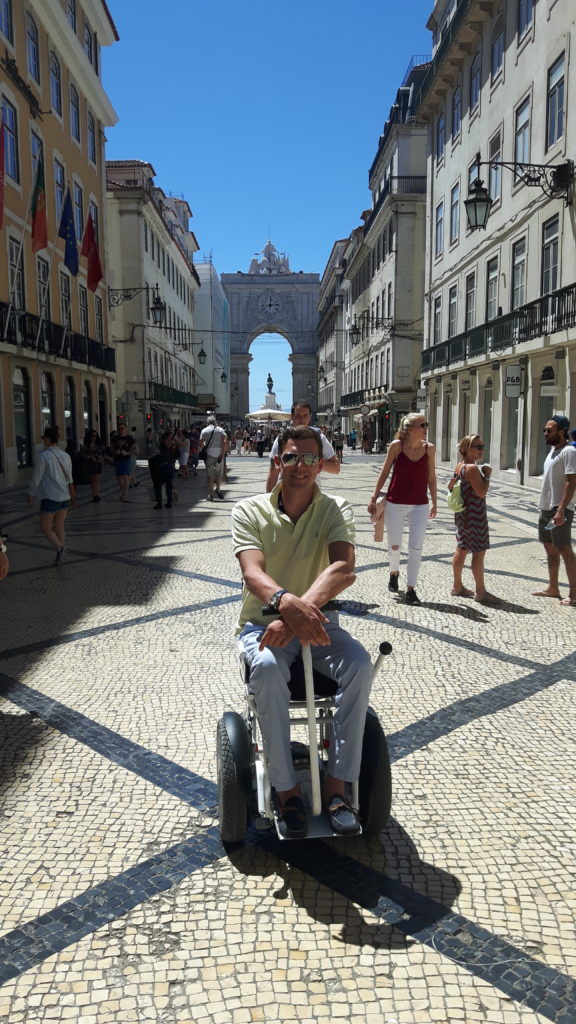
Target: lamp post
[
  {"x": 116, "y": 296},
  {"x": 555, "y": 181}
]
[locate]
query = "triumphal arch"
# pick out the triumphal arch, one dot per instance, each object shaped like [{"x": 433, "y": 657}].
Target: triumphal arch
[{"x": 272, "y": 299}]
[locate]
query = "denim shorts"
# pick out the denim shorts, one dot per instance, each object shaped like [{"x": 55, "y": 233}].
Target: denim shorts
[
  {"x": 123, "y": 467},
  {"x": 47, "y": 505}
]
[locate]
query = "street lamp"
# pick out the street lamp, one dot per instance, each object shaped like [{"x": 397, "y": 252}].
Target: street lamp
[
  {"x": 116, "y": 296},
  {"x": 553, "y": 181}
]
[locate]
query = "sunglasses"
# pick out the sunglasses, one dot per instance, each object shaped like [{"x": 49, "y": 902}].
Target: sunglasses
[
  {"x": 292, "y": 459},
  {"x": 477, "y": 446}
]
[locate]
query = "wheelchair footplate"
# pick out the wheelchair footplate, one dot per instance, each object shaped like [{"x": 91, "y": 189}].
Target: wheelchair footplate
[{"x": 318, "y": 825}]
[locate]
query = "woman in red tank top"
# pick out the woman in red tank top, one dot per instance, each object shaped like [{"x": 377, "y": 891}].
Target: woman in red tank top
[{"x": 412, "y": 462}]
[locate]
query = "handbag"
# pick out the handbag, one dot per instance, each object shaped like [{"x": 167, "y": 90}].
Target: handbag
[
  {"x": 455, "y": 501},
  {"x": 203, "y": 455}
]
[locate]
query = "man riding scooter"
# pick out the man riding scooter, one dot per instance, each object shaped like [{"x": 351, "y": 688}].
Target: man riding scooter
[{"x": 295, "y": 546}]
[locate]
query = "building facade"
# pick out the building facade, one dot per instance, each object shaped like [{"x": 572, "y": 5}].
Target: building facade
[
  {"x": 500, "y": 311},
  {"x": 56, "y": 367},
  {"x": 213, "y": 331},
  {"x": 331, "y": 335},
  {"x": 382, "y": 282},
  {"x": 151, "y": 259}
]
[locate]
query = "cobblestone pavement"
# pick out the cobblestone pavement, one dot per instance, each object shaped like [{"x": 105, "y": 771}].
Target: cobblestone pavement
[{"x": 119, "y": 903}]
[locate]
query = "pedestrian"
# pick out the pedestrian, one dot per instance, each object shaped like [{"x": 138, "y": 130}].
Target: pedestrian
[
  {"x": 213, "y": 440},
  {"x": 183, "y": 442},
  {"x": 52, "y": 483},
  {"x": 238, "y": 439},
  {"x": 162, "y": 466},
  {"x": 260, "y": 442},
  {"x": 149, "y": 442},
  {"x": 338, "y": 444},
  {"x": 134, "y": 453},
  {"x": 4, "y": 563},
  {"x": 93, "y": 455},
  {"x": 301, "y": 413},
  {"x": 557, "y": 508},
  {"x": 121, "y": 445},
  {"x": 472, "y": 532},
  {"x": 573, "y": 437},
  {"x": 411, "y": 459},
  {"x": 296, "y": 552},
  {"x": 194, "y": 450},
  {"x": 247, "y": 442},
  {"x": 353, "y": 438}
]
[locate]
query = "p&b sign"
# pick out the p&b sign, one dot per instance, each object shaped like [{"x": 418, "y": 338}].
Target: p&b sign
[{"x": 513, "y": 381}]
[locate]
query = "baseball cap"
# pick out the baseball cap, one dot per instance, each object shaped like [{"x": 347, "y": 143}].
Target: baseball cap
[{"x": 562, "y": 422}]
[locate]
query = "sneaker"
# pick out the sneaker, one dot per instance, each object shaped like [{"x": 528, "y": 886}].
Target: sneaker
[
  {"x": 96, "y": 498},
  {"x": 393, "y": 582},
  {"x": 412, "y": 596},
  {"x": 59, "y": 556},
  {"x": 220, "y": 495}
]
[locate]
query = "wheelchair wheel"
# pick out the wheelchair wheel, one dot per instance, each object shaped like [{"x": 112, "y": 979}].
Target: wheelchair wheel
[
  {"x": 375, "y": 783},
  {"x": 233, "y": 758}
]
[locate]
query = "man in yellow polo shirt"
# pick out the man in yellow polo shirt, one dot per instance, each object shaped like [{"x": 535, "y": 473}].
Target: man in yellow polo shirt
[{"x": 296, "y": 552}]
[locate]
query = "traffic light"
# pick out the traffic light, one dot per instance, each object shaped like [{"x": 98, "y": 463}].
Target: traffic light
[{"x": 148, "y": 417}]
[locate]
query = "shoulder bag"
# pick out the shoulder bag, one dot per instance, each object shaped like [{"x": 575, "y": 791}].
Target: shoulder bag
[
  {"x": 455, "y": 501},
  {"x": 204, "y": 453}
]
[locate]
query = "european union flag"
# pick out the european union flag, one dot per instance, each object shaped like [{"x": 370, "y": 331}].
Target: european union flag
[{"x": 67, "y": 231}]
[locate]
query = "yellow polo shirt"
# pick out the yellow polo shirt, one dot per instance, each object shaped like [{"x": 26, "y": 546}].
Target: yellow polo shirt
[{"x": 295, "y": 553}]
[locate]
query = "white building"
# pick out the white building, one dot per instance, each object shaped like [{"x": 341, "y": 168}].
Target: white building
[
  {"x": 331, "y": 333},
  {"x": 383, "y": 279},
  {"x": 212, "y": 322},
  {"x": 150, "y": 256},
  {"x": 501, "y": 302}
]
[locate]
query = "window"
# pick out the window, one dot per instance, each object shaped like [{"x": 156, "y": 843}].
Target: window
[
  {"x": 452, "y": 310},
  {"x": 59, "y": 186},
  {"x": 21, "y": 404},
  {"x": 457, "y": 111},
  {"x": 6, "y": 20},
  {"x": 455, "y": 213},
  {"x": 86, "y": 406},
  {"x": 16, "y": 274},
  {"x": 99, "y": 320},
  {"x": 88, "y": 42},
  {"x": 555, "y": 107},
  {"x": 391, "y": 237},
  {"x": 83, "y": 306},
  {"x": 470, "y": 312},
  {"x": 495, "y": 173},
  {"x": 439, "y": 230},
  {"x": 550, "y": 256},
  {"x": 64, "y": 299},
  {"x": 32, "y": 53},
  {"x": 153, "y": 245},
  {"x": 475, "y": 82},
  {"x": 390, "y": 300},
  {"x": 72, "y": 13},
  {"x": 11, "y": 161},
  {"x": 43, "y": 287},
  {"x": 440, "y": 137},
  {"x": 524, "y": 17},
  {"x": 70, "y": 409},
  {"x": 78, "y": 210},
  {"x": 91, "y": 131},
  {"x": 145, "y": 237},
  {"x": 497, "y": 49},
  {"x": 74, "y": 113},
  {"x": 55, "y": 85},
  {"x": 492, "y": 288},
  {"x": 519, "y": 273},
  {"x": 47, "y": 403},
  {"x": 522, "y": 134},
  {"x": 437, "y": 325}
]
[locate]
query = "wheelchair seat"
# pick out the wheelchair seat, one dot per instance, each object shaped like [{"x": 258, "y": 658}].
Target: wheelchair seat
[{"x": 323, "y": 685}]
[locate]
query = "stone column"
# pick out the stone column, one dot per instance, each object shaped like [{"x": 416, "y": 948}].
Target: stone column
[
  {"x": 304, "y": 370},
  {"x": 239, "y": 377}
]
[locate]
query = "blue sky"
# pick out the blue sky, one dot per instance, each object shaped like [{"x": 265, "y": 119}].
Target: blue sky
[{"x": 265, "y": 116}]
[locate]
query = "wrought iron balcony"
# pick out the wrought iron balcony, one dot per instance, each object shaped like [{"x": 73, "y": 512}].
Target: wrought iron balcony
[
  {"x": 171, "y": 396},
  {"x": 54, "y": 340},
  {"x": 547, "y": 315},
  {"x": 352, "y": 399},
  {"x": 402, "y": 185}
]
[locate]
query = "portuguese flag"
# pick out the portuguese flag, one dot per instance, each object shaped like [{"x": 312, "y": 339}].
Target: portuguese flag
[{"x": 39, "y": 223}]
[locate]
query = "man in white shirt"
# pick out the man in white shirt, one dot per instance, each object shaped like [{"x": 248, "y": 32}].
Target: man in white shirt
[
  {"x": 557, "y": 507},
  {"x": 301, "y": 413},
  {"x": 213, "y": 439}
]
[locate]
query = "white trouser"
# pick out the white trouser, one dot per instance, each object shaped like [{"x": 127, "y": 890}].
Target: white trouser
[
  {"x": 346, "y": 661},
  {"x": 395, "y": 518}
]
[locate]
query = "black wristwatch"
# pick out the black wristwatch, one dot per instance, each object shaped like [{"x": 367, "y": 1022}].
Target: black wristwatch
[{"x": 275, "y": 600}]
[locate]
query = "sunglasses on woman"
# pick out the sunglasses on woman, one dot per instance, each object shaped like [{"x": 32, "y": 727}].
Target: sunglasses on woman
[{"x": 292, "y": 459}]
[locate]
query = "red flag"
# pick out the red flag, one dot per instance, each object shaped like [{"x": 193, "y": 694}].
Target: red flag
[
  {"x": 90, "y": 249},
  {"x": 1, "y": 168},
  {"x": 39, "y": 222}
]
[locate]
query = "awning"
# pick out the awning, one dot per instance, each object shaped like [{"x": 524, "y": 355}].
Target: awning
[{"x": 373, "y": 412}]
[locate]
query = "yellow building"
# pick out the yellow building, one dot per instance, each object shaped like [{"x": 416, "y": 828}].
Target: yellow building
[{"x": 55, "y": 363}]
